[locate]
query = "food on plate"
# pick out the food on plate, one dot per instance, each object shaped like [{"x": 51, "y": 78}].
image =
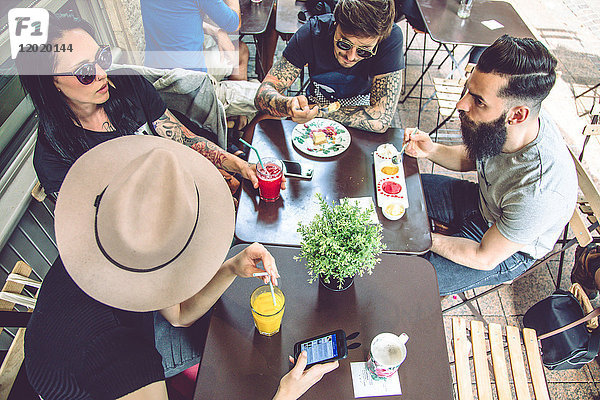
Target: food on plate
[
  {"x": 391, "y": 187},
  {"x": 390, "y": 169},
  {"x": 387, "y": 150},
  {"x": 322, "y": 135},
  {"x": 319, "y": 137}
]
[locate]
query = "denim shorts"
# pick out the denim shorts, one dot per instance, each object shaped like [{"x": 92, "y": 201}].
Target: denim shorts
[
  {"x": 180, "y": 348},
  {"x": 455, "y": 202}
]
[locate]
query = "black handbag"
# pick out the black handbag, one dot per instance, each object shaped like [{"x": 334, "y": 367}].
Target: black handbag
[
  {"x": 565, "y": 342},
  {"x": 559, "y": 323}
]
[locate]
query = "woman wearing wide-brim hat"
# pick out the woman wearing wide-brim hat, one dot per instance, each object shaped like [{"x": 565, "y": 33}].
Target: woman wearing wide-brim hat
[{"x": 143, "y": 225}]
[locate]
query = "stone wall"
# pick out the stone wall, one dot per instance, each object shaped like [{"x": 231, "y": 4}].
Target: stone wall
[{"x": 125, "y": 18}]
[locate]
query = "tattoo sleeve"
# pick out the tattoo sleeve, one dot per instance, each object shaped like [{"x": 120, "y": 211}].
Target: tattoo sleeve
[
  {"x": 377, "y": 117},
  {"x": 270, "y": 96},
  {"x": 169, "y": 126}
]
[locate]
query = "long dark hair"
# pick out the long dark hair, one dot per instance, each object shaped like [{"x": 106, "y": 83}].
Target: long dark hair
[{"x": 59, "y": 125}]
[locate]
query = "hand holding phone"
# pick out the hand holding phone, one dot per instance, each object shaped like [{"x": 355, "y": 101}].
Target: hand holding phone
[
  {"x": 296, "y": 382},
  {"x": 323, "y": 348}
]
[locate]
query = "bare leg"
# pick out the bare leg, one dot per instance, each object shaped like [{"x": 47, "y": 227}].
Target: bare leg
[{"x": 242, "y": 73}]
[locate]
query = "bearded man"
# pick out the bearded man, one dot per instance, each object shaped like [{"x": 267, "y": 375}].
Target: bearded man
[{"x": 526, "y": 181}]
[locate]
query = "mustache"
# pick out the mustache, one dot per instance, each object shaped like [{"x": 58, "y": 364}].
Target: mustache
[{"x": 462, "y": 115}]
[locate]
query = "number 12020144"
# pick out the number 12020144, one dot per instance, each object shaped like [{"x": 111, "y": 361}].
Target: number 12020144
[{"x": 45, "y": 48}]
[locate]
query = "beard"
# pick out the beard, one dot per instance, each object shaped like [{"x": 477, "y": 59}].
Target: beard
[{"x": 483, "y": 139}]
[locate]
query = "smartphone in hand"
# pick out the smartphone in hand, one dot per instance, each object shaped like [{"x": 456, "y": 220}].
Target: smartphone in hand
[{"x": 324, "y": 348}]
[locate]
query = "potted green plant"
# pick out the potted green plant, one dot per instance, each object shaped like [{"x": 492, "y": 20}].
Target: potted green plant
[{"x": 339, "y": 243}]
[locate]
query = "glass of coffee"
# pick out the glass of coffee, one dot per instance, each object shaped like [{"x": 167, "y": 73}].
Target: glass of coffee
[{"x": 387, "y": 352}]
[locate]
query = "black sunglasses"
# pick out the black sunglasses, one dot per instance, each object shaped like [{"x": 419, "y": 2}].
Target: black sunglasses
[
  {"x": 346, "y": 45},
  {"x": 86, "y": 73}
]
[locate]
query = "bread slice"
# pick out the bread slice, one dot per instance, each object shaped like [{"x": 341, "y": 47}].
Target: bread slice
[{"x": 319, "y": 137}]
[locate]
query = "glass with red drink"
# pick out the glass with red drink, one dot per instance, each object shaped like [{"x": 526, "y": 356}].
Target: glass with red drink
[{"x": 269, "y": 178}]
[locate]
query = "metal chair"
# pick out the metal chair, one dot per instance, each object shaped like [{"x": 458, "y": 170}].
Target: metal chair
[
  {"x": 593, "y": 128},
  {"x": 447, "y": 93}
]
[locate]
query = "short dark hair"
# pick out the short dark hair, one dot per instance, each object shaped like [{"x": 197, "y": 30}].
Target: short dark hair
[
  {"x": 527, "y": 64},
  {"x": 365, "y": 18}
]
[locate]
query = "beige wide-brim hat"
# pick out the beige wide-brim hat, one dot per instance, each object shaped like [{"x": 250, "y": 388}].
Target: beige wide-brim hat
[{"x": 143, "y": 222}]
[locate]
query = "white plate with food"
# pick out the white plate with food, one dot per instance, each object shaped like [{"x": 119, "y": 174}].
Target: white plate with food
[{"x": 321, "y": 137}]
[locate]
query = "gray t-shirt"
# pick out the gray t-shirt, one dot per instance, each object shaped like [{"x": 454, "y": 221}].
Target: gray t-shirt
[{"x": 530, "y": 194}]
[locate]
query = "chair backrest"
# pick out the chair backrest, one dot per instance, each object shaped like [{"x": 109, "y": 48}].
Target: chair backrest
[
  {"x": 475, "y": 348},
  {"x": 593, "y": 128},
  {"x": 588, "y": 206},
  {"x": 12, "y": 294}
]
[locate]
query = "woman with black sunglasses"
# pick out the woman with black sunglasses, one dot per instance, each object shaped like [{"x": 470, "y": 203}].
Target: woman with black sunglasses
[{"x": 80, "y": 104}]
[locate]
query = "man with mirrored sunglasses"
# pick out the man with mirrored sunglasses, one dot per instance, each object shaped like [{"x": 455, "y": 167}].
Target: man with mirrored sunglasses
[{"x": 355, "y": 63}]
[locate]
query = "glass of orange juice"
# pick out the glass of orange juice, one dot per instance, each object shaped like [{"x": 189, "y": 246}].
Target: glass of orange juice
[{"x": 267, "y": 316}]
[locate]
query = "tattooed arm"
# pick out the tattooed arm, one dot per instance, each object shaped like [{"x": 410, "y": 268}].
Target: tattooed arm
[
  {"x": 377, "y": 117},
  {"x": 169, "y": 126},
  {"x": 271, "y": 99}
]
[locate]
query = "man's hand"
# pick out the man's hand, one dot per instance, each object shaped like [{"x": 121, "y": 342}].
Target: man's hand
[
  {"x": 296, "y": 382},
  {"x": 420, "y": 144},
  {"x": 244, "y": 264},
  {"x": 300, "y": 111}
]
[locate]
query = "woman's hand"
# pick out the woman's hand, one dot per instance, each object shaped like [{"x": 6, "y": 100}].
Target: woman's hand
[
  {"x": 248, "y": 171},
  {"x": 296, "y": 382},
  {"x": 244, "y": 264}
]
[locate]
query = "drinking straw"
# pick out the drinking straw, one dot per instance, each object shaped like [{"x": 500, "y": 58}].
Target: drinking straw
[
  {"x": 270, "y": 284},
  {"x": 256, "y": 151},
  {"x": 272, "y": 292}
]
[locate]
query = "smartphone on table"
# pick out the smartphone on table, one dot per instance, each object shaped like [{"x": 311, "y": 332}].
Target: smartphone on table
[
  {"x": 297, "y": 170},
  {"x": 323, "y": 348}
]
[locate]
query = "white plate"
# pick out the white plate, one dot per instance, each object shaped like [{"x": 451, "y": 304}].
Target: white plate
[
  {"x": 336, "y": 144},
  {"x": 383, "y": 198}
]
